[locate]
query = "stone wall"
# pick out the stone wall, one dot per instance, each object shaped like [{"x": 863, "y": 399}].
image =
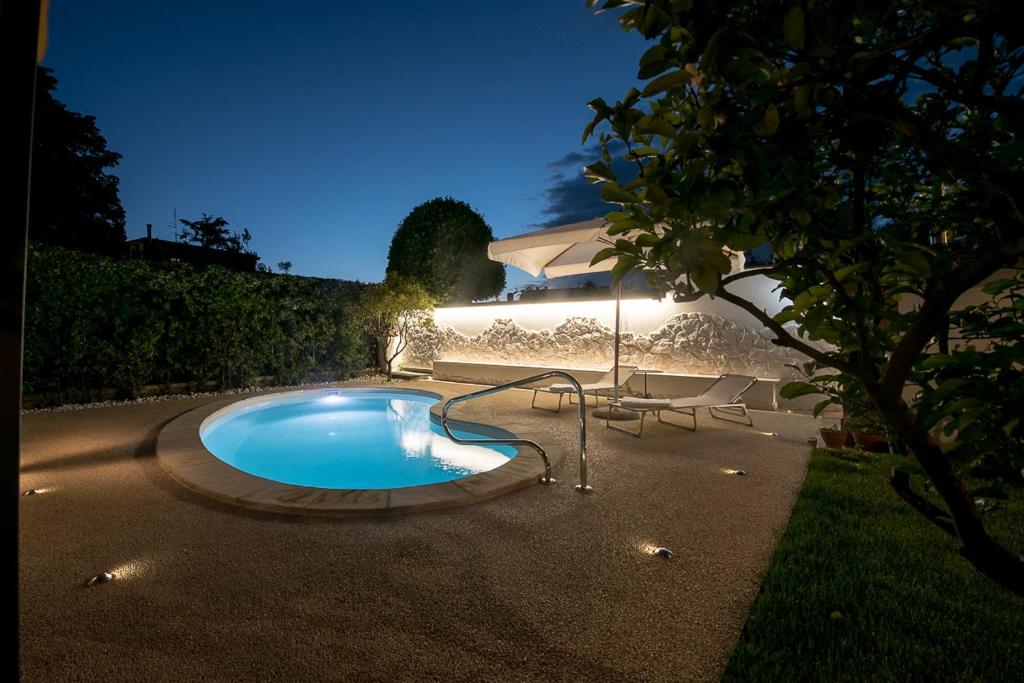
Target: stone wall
[{"x": 686, "y": 343}]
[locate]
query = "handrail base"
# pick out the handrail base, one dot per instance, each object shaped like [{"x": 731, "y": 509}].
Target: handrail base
[{"x": 584, "y": 489}]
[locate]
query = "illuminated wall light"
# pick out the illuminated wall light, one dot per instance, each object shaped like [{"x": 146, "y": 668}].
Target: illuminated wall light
[
  {"x": 663, "y": 552},
  {"x": 739, "y": 473}
]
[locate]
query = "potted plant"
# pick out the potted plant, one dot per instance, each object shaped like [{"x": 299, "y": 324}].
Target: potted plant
[{"x": 835, "y": 436}]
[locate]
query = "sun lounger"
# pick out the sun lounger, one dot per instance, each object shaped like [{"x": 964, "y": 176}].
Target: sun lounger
[
  {"x": 606, "y": 383},
  {"x": 720, "y": 397}
]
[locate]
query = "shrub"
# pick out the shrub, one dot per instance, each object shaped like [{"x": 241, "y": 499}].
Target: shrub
[{"x": 92, "y": 322}]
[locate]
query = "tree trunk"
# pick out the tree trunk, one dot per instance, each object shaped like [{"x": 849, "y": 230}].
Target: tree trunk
[
  {"x": 980, "y": 549},
  {"x": 389, "y": 369}
]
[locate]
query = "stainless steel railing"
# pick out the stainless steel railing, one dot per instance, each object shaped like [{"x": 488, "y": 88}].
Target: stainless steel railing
[{"x": 582, "y": 486}]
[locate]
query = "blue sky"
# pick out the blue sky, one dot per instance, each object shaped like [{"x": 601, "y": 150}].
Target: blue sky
[{"x": 320, "y": 125}]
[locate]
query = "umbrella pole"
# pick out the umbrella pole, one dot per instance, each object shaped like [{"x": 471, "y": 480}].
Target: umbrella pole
[
  {"x": 610, "y": 412},
  {"x": 618, "y": 307}
]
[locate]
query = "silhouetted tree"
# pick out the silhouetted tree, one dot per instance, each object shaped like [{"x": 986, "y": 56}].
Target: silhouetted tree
[
  {"x": 442, "y": 243},
  {"x": 74, "y": 201},
  {"x": 212, "y": 232},
  {"x": 388, "y": 311},
  {"x": 284, "y": 266}
]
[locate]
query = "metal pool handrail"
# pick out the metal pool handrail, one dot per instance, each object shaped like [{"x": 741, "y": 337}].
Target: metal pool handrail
[{"x": 582, "y": 487}]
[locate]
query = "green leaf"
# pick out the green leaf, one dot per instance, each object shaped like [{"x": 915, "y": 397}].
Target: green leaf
[
  {"x": 969, "y": 416},
  {"x": 793, "y": 30},
  {"x": 670, "y": 81},
  {"x": 654, "y": 62},
  {"x": 647, "y": 240},
  {"x": 937, "y": 360},
  {"x": 916, "y": 263},
  {"x": 655, "y": 125},
  {"x": 999, "y": 286},
  {"x": 802, "y": 100},
  {"x": 642, "y": 152},
  {"x": 769, "y": 123},
  {"x": 951, "y": 385},
  {"x": 798, "y": 389},
  {"x": 655, "y": 195},
  {"x": 613, "y": 193},
  {"x": 598, "y": 172},
  {"x": 623, "y": 266},
  {"x": 705, "y": 117},
  {"x": 801, "y": 216},
  {"x": 742, "y": 241},
  {"x": 847, "y": 271},
  {"x": 603, "y": 255},
  {"x": 706, "y": 279},
  {"x": 718, "y": 262},
  {"x": 621, "y": 227},
  {"x": 821, "y": 405}
]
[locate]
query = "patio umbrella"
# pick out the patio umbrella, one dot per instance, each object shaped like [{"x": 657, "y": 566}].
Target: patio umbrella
[{"x": 559, "y": 251}]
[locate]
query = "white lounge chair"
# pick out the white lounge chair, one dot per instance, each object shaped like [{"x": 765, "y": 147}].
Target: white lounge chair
[
  {"x": 606, "y": 383},
  {"x": 723, "y": 395}
]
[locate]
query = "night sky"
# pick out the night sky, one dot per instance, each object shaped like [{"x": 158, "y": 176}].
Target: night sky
[{"x": 320, "y": 125}]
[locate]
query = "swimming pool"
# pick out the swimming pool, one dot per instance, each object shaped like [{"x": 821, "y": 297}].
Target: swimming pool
[{"x": 353, "y": 438}]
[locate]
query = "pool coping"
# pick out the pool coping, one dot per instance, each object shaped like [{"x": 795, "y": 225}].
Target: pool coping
[{"x": 181, "y": 453}]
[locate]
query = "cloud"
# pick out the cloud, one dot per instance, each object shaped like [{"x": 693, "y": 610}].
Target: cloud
[
  {"x": 571, "y": 198},
  {"x": 573, "y": 159}
]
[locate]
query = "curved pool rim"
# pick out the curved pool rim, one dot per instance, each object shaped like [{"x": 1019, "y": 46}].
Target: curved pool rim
[{"x": 181, "y": 453}]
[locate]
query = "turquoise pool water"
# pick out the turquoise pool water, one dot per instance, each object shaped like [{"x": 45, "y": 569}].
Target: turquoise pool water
[{"x": 345, "y": 439}]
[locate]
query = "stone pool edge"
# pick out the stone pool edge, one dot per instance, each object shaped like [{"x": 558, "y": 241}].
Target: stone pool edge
[{"x": 183, "y": 456}]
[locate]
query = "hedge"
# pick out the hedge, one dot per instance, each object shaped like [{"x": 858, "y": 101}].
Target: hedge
[{"x": 93, "y": 322}]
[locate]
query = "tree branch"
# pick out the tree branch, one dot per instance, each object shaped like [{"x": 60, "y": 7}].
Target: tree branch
[
  {"x": 783, "y": 337},
  {"x": 751, "y": 273},
  {"x": 932, "y": 313}
]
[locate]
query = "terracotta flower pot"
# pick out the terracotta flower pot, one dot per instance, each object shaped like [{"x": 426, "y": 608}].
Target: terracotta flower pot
[
  {"x": 872, "y": 442},
  {"x": 834, "y": 438}
]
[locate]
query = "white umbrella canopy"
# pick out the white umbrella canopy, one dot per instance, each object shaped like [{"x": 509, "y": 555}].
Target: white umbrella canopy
[
  {"x": 562, "y": 250},
  {"x": 555, "y": 252}
]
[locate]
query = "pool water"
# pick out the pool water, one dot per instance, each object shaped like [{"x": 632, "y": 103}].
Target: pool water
[{"x": 346, "y": 439}]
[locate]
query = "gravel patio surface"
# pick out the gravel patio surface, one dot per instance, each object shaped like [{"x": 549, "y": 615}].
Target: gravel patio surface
[{"x": 540, "y": 584}]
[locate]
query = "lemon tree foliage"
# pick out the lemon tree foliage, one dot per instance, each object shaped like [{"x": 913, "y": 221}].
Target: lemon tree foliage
[{"x": 877, "y": 147}]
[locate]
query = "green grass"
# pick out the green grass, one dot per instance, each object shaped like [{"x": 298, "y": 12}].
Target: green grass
[{"x": 863, "y": 588}]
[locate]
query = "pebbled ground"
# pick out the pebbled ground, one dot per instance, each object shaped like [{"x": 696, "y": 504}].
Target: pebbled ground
[{"x": 542, "y": 584}]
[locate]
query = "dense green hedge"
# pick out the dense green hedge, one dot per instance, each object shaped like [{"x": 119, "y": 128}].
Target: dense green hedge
[{"x": 94, "y": 322}]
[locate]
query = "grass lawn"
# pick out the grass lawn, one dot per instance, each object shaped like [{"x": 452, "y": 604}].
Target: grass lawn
[{"x": 862, "y": 587}]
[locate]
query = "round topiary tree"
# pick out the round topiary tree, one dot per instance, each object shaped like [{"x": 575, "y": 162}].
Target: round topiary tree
[{"x": 442, "y": 243}]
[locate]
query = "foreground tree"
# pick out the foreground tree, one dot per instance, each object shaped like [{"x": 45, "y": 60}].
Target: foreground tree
[
  {"x": 388, "y": 311},
  {"x": 877, "y": 147},
  {"x": 212, "y": 232},
  {"x": 74, "y": 200},
  {"x": 443, "y": 244}
]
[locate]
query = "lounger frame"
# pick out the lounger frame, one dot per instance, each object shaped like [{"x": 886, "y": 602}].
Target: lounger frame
[
  {"x": 733, "y": 407},
  {"x": 630, "y": 370}
]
